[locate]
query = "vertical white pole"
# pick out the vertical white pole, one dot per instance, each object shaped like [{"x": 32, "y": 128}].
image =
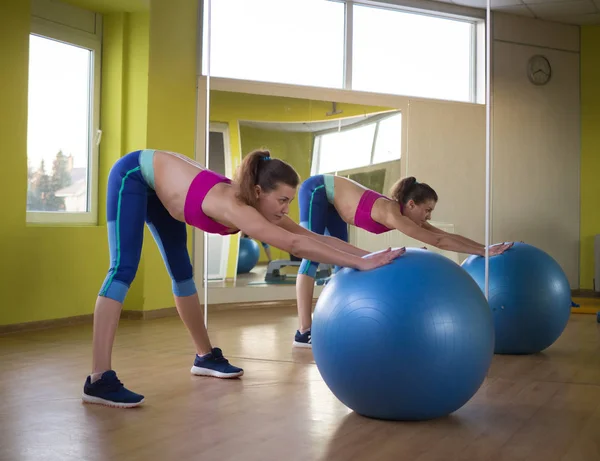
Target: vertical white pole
[
  {"x": 207, "y": 3},
  {"x": 488, "y": 90}
]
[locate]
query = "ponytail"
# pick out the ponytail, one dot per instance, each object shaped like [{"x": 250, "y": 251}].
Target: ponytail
[
  {"x": 410, "y": 189},
  {"x": 259, "y": 169}
]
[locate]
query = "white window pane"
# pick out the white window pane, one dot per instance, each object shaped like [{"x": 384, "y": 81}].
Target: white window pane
[
  {"x": 387, "y": 142},
  {"x": 298, "y": 42},
  {"x": 58, "y": 126},
  {"x": 343, "y": 150},
  {"x": 411, "y": 54}
]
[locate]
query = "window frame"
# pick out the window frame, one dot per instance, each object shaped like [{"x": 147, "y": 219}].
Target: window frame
[
  {"x": 93, "y": 42},
  {"x": 375, "y": 119},
  {"x": 440, "y": 10}
]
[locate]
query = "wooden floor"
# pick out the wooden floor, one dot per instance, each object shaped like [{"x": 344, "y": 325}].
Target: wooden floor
[
  {"x": 257, "y": 274},
  {"x": 544, "y": 407}
]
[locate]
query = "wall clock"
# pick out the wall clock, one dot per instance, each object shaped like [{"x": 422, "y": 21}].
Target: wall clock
[{"x": 539, "y": 70}]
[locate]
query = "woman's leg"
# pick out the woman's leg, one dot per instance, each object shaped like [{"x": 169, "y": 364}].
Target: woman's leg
[
  {"x": 336, "y": 227},
  {"x": 126, "y": 211},
  {"x": 312, "y": 200},
  {"x": 171, "y": 237}
]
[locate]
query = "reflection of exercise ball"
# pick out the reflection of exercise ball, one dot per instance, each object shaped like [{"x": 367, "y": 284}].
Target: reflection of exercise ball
[
  {"x": 530, "y": 298},
  {"x": 412, "y": 340},
  {"x": 248, "y": 255}
]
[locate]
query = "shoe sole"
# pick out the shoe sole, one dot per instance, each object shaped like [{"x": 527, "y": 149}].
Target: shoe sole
[
  {"x": 107, "y": 403},
  {"x": 215, "y": 374},
  {"x": 304, "y": 345}
]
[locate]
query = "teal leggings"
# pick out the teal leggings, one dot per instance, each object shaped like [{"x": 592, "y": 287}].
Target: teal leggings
[{"x": 317, "y": 214}]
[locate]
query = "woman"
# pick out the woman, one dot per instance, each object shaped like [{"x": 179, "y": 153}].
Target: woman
[
  {"x": 166, "y": 190},
  {"x": 329, "y": 203}
]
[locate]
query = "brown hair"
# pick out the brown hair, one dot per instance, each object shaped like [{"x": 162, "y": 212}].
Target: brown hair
[
  {"x": 409, "y": 189},
  {"x": 259, "y": 169}
]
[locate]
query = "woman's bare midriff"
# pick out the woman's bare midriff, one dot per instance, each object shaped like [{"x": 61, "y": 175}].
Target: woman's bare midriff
[
  {"x": 346, "y": 197},
  {"x": 173, "y": 174},
  {"x": 351, "y": 191}
]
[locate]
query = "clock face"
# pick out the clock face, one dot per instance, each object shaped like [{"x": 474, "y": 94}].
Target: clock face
[{"x": 539, "y": 70}]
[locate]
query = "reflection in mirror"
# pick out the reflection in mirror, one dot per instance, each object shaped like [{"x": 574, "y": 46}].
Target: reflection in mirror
[{"x": 360, "y": 142}]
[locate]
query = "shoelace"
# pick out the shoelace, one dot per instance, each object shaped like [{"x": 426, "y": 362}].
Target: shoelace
[
  {"x": 114, "y": 385},
  {"x": 219, "y": 358}
]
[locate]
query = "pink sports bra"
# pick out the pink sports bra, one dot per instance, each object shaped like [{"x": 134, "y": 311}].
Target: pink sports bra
[
  {"x": 192, "y": 211},
  {"x": 362, "y": 217}
]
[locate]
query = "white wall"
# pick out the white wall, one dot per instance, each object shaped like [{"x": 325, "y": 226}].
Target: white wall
[
  {"x": 536, "y": 134},
  {"x": 446, "y": 149}
]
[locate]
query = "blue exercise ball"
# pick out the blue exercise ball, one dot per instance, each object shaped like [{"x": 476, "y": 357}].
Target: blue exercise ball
[
  {"x": 529, "y": 295},
  {"x": 412, "y": 340},
  {"x": 248, "y": 255}
]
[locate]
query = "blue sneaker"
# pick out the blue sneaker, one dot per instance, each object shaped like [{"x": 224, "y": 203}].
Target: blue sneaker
[
  {"x": 109, "y": 391},
  {"x": 214, "y": 364},
  {"x": 303, "y": 339}
]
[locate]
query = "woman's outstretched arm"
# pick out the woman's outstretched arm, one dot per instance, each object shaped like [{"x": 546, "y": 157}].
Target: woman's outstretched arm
[
  {"x": 291, "y": 226},
  {"x": 252, "y": 223},
  {"x": 466, "y": 240},
  {"x": 442, "y": 240}
]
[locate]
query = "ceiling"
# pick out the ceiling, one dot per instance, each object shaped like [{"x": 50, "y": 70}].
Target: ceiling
[
  {"x": 579, "y": 12},
  {"x": 306, "y": 127}
]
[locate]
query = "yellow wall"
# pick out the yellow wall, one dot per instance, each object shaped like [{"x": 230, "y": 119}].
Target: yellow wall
[
  {"x": 230, "y": 108},
  {"x": 38, "y": 279},
  {"x": 148, "y": 100},
  {"x": 123, "y": 111},
  {"x": 171, "y": 114},
  {"x": 294, "y": 148},
  {"x": 14, "y": 49},
  {"x": 590, "y": 150}
]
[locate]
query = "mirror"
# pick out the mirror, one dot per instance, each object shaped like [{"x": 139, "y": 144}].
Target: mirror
[
  {"x": 362, "y": 142},
  {"x": 257, "y": 101},
  {"x": 440, "y": 143}
]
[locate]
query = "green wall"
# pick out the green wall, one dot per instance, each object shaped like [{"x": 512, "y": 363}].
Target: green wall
[
  {"x": 171, "y": 122},
  {"x": 590, "y": 150},
  {"x": 47, "y": 272},
  {"x": 148, "y": 100}
]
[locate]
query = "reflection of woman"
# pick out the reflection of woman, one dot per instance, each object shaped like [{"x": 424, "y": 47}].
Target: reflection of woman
[
  {"x": 167, "y": 190},
  {"x": 329, "y": 203}
]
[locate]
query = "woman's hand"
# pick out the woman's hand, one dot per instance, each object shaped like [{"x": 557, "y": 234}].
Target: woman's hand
[
  {"x": 381, "y": 258},
  {"x": 499, "y": 248}
]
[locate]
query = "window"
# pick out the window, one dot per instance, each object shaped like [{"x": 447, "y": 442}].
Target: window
[
  {"x": 344, "y": 44},
  {"x": 297, "y": 42},
  {"x": 397, "y": 52},
  {"x": 365, "y": 143},
  {"x": 63, "y": 117}
]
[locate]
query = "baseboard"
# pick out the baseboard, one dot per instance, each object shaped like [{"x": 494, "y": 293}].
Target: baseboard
[
  {"x": 138, "y": 315},
  {"x": 148, "y": 315},
  {"x": 45, "y": 324},
  {"x": 290, "y": 303},
  {"x": 585, "y": 294},
  {"x": 590, "y": 301}
]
